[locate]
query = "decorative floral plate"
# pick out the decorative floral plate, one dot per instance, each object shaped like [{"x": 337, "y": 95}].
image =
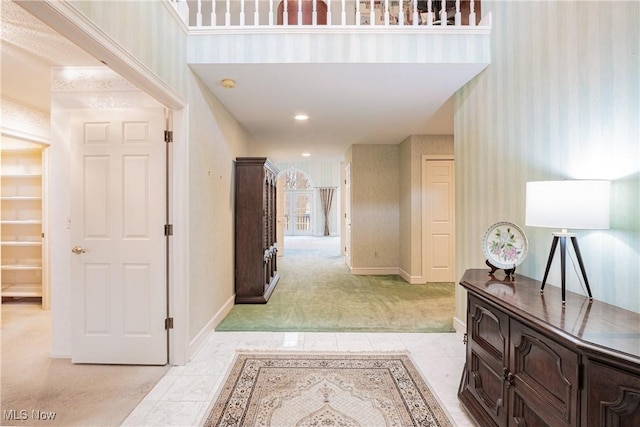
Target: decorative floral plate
[{"x": 505, "y": 245}]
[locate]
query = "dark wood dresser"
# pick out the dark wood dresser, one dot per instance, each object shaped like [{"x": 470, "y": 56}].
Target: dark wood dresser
[
  {"x": 256, "y": 272},
  {"x": 531, "y": 362}
]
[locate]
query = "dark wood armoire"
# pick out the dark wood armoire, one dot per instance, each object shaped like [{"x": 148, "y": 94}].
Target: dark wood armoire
[{"x": 256, "y": 272}]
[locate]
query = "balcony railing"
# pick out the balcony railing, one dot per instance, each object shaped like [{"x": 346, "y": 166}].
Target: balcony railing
[{"x": 234, "y": 14}]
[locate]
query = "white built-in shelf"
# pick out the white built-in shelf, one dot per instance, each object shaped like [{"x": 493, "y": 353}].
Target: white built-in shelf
[
  {"x": 20, "y": 175},
  {"x": 21, "y": 221},
  {"x": 23, "y": 151},
  {"x": 21, "y": 290},
  {"x": 20, "y": 243},
  {"x": 21, "y": 267},
  {"x": 20, "y": 198}
]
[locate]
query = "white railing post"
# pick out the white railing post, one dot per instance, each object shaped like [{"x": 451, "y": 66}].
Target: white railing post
[
  {"x": 429, "y": 13},
  {"x": 270, "y": 13},
  {"x": 357, "y": 12},
  {"x": 400, "y": 12},
  {"x": 227, "y": 14},
  {"x": 242, "y": 13},
  {"x": 416, "y": 15},
  {"x": 285, "y": 13},
  {"x": 199, "y": 14},
  {"x": 386, "y": 12},
  {"x": 314, "y": 15},
  {"x": 299, "y": 12},
  {"x": 472, "y": 14},
  {"x": 343, "y": 15},
  {"x": 328, "y": 12},
  {"x": 213, "y": 13},
  {"x": 443, "y": 13},
  {"x": 458, "y": 19},
  {"x": 256, "y": 14}
]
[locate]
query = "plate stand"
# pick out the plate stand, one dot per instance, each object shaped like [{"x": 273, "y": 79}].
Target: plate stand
[{"x": 508, "y": 271}]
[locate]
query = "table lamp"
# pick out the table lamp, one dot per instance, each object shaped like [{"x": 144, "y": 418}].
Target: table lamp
[{"x": 571, "y": 204}]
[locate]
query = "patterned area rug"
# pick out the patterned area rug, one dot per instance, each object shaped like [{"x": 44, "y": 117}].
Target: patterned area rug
[{"x": 287, "y": 389}]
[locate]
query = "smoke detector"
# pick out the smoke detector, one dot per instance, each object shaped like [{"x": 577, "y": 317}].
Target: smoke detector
[{"x": 228, "y": 83}]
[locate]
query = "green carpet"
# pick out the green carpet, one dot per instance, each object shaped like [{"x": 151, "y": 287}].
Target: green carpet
[{"x": 316, "y": 293}]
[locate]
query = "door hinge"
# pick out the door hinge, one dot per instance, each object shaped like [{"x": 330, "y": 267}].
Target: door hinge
[
  {"x": 168, "y": 323},
  {"x": 168, "y": 229},
  {"x": 168, "y": 136}
]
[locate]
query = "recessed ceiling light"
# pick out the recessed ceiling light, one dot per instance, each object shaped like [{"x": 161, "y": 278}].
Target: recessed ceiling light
[
  {"x": 301, "y": 117},
  {"x": 306, "y": 154}
]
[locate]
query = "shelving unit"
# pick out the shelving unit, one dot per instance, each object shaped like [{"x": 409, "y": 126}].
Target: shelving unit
[{"x": 21, "y": 235}]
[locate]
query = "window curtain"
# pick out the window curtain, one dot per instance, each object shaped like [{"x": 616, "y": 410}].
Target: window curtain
[{"x": 326, "y": 197}]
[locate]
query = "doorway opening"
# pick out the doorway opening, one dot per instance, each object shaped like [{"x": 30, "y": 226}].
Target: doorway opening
[{"x": 299, "y": 203}]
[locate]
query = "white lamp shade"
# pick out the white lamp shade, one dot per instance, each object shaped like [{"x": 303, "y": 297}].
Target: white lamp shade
[{"x": 580, "y": 204}]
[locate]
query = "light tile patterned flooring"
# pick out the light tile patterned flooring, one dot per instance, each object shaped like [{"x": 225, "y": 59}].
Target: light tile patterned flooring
[{"x": 183, "y": 396}]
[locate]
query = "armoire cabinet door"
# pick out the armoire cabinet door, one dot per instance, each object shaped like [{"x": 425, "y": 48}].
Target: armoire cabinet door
[
  {"x": 544, "y": 389},
  {"x": 487, "y": 355}
]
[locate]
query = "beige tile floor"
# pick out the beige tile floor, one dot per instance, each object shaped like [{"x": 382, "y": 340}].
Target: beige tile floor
[{"x": 182, "y": 397}]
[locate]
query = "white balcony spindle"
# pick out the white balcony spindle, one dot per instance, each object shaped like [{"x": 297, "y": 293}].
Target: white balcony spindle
[
  {"x": 386, "y": 12},
  {"x": 299, "y": 12},
  {"x": 227, "y": 14},
  {"x": 416, "y": 15},
  {"x": 443, "y": 13},
  {"x": 458, "y": 18},
  {"x": 285, "y": 13},
  {"x": 314, "y": 15},
  {"x": 343, "y": 15},
  {"x": 429, "y": 13},
  {"x": 400, "y": 12},
  {"x": 472, "y": 14},
  {"x": 199, "y": 15},
  {"x": 242, "y": 13},
  {"x": 213, "y": 13},
  {"x": 329, "y": 12},
  {"x": 270, "y": 13},
  {"x": 256, "y": 13}
]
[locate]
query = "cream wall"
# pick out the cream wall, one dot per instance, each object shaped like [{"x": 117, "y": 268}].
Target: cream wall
[
  {"x": 148, "y": 31},
  {"x": 411, "y": 151},
  {"x": 213, "y": 146},
  {"x": 375, "y": 182},
  {"x": 559, "y": 100}
]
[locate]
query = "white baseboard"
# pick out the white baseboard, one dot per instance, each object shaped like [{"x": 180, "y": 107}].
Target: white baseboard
[
  {"x": 374, "y": 271},
  {"x": 210, "y": 327},
  {"x": 413, "y": 280},
  {"x": 59, "y": 356}
]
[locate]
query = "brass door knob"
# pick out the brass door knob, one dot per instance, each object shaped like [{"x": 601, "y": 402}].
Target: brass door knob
[{"x": 78, "y": 250}]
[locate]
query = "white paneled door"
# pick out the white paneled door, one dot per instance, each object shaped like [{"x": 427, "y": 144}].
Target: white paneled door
[
  {"x": 117, "y": 231},
  {"x": 438, "y": 226}
]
